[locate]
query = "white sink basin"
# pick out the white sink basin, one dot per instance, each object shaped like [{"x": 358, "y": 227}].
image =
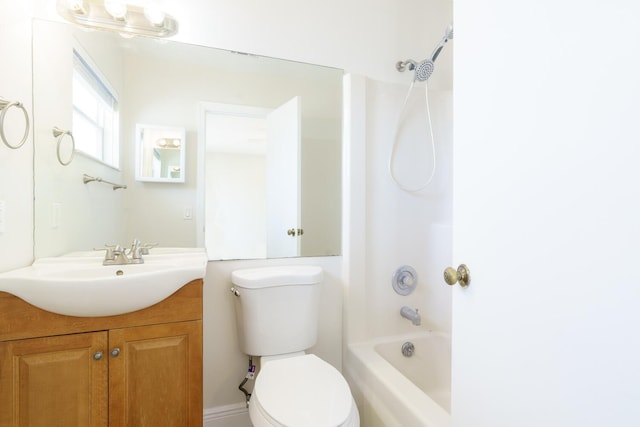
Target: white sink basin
[{"x": 79, "y": 285}]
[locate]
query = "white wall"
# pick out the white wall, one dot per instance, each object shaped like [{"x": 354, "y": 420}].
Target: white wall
[
  {"x": 360, "y": 36},
  {"x": 16, "y": 170}
]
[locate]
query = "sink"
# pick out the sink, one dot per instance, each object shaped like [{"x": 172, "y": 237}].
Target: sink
[{"x": 77, "y": 284}]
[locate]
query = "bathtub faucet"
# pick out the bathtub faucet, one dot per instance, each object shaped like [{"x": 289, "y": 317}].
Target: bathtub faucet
[{"x": 410, "y": 314}]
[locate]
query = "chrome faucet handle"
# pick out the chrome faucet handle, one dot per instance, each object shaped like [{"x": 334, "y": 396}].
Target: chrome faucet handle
[
  {"x": 135, "y": 249},
  {"x": 135, "y": 244},
  {"x": 144, "y": 249},
  {"x": 108, "y": 256}
]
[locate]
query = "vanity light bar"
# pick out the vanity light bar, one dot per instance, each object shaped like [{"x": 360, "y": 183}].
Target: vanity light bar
[{"x": 93, "y": 14}]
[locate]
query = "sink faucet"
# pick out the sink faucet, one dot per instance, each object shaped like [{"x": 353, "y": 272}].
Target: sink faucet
[
  {"x": 410, "y": 314},
  {"x": 117, "y": 255}
]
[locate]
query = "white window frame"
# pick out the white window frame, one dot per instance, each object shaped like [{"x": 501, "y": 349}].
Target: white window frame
[{"x": 107, "y": 143}]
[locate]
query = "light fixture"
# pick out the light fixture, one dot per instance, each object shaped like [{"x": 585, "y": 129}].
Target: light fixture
[
  {"x": 120, "y": 17},
  {"x": 169, "y": 142}
]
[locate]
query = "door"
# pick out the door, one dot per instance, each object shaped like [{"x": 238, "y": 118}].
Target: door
[
  {"x": 283, "y": 180},
  {"x": 155, "y": 375},
  {"x": 54, "y": 381},
  {"x": 546, "y": 214}
]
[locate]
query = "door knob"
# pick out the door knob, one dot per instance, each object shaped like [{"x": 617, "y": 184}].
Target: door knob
[
  {"x": 461, "y": 275},
  {"x": 291, "y": 232},
  {"x": 115, "y": 352}
]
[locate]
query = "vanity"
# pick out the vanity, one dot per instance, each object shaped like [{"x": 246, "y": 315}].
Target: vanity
[
  {"x": 142, "y": 368},
  {"x": 91, "y": 363}
]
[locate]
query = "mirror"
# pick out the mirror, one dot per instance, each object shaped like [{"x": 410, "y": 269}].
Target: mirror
[
  {"x": 166, "y": 84},
  {"x": 159, "y": 153}
]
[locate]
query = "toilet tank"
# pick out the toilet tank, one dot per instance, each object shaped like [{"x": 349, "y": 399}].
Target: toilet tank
[{"x": 277, "y": 308}]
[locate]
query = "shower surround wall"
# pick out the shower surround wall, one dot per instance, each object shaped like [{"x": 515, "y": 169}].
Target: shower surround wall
[
  {"x": 388, "y": 227},
  {"x": 385, "y": 227}
]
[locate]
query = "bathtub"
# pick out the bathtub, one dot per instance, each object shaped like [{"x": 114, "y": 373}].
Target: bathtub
[{"x": 394, "y": 390}]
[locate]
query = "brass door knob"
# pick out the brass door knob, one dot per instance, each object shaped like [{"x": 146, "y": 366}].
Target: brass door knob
[
  {"x": 461, "y": 275},
  {"x": 291, "y": 232}
]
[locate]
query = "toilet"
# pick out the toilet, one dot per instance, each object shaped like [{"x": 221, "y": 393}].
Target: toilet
[{"x": 277, "y": 316}]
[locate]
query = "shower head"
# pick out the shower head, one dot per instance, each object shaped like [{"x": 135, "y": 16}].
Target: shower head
[{"x": 425, "y": 68}]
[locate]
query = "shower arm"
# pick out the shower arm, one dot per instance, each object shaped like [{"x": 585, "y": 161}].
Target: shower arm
[{"x": 403, "y": 65}]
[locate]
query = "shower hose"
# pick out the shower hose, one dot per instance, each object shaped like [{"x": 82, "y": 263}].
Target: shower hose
[{"x": 400, "y": 185}]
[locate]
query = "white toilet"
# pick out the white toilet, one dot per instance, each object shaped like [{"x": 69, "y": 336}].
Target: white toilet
[{"x": 277, "y": 314}]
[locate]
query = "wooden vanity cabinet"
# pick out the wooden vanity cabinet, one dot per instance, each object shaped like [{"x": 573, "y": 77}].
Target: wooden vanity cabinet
[{"x": 137, "y": 369}]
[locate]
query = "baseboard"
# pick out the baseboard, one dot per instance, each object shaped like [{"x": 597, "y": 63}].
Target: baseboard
[{"x": 235, "y": 415}]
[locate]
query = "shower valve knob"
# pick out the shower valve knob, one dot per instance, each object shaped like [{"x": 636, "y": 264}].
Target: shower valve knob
[{"x": 461, "y": 275}]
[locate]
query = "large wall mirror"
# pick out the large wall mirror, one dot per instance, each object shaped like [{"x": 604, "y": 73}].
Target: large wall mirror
[{"x": 260, "y": 138}]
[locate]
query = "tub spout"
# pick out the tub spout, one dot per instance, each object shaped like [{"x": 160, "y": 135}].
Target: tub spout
[{"x": 410, "y": 314}]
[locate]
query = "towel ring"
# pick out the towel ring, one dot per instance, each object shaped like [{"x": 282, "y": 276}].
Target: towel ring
[
  {"x": 60, "y": 134},
  {"x": 5, "y": 106}
]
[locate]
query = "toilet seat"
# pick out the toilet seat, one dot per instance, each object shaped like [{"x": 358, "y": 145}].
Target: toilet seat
[{"x": 301, "y": 391}]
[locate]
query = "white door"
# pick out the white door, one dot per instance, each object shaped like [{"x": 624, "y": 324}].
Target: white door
[
  {"x": 547, "y": 213},
  {"x": 283, "y": 180}
]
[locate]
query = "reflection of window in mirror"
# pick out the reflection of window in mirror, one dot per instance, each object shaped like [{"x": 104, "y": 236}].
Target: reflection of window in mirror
[
  {"x": 95, "y": 112},
  {"x": 160, "y": 153}
]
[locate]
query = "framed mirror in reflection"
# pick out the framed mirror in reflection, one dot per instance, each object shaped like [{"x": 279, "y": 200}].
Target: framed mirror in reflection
[
  {"x": 160, "y": 153},
  {"x": 211, "y": 94}
]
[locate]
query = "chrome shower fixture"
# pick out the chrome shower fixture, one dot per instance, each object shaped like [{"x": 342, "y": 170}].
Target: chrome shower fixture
[{"x": 424, "y": 69}]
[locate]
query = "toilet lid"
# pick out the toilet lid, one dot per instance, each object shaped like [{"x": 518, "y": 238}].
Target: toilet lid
[{"x": 303, "y": 391}]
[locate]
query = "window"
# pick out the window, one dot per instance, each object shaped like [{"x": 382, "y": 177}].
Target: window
[{"x": 95, "y": 113}]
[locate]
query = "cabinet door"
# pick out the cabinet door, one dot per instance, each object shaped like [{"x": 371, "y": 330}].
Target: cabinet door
[
  {"x": 155, "y": 376},
  {"x": 54, "y": 381}
]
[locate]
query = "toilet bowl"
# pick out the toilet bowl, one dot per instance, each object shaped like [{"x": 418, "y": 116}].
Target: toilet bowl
[{"x": 301, "y": 391}]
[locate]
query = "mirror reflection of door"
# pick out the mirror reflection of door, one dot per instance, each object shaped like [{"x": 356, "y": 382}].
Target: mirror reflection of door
[
  {"x": 283, "y": 180},
  {"x": 252, "y": 175}
]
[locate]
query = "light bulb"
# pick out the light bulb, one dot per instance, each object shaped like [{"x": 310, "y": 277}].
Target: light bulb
[
  {"x": 76, "y": 6},
  {"x": 154, "y": 13},
  {"x": 116, "y": 8}
]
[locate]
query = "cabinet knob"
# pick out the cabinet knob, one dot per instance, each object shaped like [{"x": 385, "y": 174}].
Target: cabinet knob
[
  {"x": 97, "y": 355},
  {"x": 115, "y": 352}
]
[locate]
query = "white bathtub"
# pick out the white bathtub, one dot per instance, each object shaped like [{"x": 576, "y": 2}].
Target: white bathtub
[{"x": 394, "y": 390}]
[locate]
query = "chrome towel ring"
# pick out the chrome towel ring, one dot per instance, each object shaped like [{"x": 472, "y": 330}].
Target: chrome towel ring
[
  {"x": 60, "y": 134},
  {"x": 6, "y": 106}
]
